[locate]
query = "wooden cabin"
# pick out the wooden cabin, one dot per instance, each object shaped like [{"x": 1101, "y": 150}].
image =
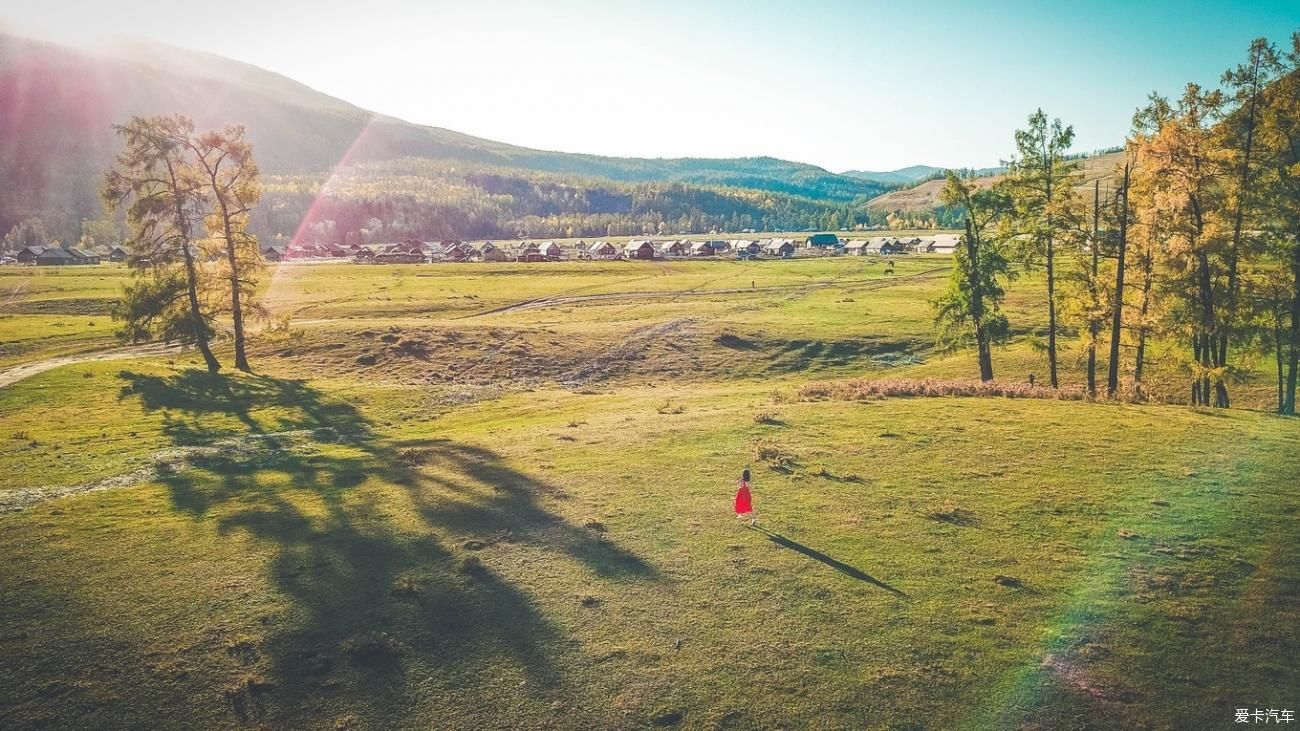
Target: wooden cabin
[
  {"x": 883, "y": 245},
  {"x": 29, "y": 254},
  {"x": 454, "y": 251},
  {"x": 528, "y": 251},
  {"x": 398, "y": 257},
  {"x": 702, "y": 248},
  {"x": 413, "y": 246},
  {"x": 551, "y": 251},
  {"x": 639, "y": 250},
  {"x": 783, "y": 248},
  {"x": 492, "y": 252},
  {"x": 944, "y": 244},
  {"x": 65, "y": 256},
  {"x": 602, "y": 250},
  {"x": 672, "y": 248}
]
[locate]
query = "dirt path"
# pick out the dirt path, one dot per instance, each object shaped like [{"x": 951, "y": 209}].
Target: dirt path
[
  {"x": 631, "y": 348},
  {"x": 17, "y": 373},
  {"x": 16, "y": 291},
  {"x": 554, "y": 301}
]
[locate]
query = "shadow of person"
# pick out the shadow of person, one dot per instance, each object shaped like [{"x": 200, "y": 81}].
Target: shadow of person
[{"x": 836, "y": 564}]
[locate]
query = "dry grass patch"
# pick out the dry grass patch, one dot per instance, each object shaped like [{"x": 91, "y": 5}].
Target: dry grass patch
[{"x": 870, "y": 390}]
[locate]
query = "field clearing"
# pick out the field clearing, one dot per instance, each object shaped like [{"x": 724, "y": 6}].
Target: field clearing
[
  {"x": 323, "y": 290},
  {"x": 425, "y": 511}
]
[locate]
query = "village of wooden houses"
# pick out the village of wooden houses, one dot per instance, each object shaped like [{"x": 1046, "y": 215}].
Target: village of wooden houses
[{"x": 415, "y": 251}]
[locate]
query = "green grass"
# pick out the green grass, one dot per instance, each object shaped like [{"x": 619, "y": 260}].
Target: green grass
[
  {"x": 477, "y": 533},
  {"x": 50, "y": 311}
]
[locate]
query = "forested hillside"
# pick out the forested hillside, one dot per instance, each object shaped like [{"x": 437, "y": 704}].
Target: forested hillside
[
  {"x": 398, "y": 199},
  {"x": 920, "y": 206},
  {"x": 62, "y": 103},
  {"x": 910, "y": 175}
]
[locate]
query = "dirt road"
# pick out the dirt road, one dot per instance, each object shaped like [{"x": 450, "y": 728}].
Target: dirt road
[{"x": 26, "y": 370}]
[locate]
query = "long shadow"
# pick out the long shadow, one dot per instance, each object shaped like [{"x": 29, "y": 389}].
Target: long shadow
[
  {"x": 376, "y": 593},
  {"x": 836, "y": 564},
  {"x": 793, "y": 356}
]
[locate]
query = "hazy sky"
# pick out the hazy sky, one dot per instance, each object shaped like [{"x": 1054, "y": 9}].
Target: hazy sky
[{"x": 874, "y": 85}]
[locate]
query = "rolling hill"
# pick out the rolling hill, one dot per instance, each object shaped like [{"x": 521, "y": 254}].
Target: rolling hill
[
  {"x": 902, "y": 176},
  {"x": 925, "y": 197},
  {"x": 907, "y": 176},
  {"x": 56, "y": 136}
]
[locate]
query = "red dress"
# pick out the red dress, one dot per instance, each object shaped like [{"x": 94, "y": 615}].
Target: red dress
[{"x": 744, "y": 504}]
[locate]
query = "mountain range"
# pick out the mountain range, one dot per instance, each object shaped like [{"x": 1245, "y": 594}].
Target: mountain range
[
  {"x": 908, "y": 176},
  {"x": 56, "y": 135}
]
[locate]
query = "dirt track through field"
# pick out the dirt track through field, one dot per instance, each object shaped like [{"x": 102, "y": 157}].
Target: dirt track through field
[
  {"x": 15, "y": 374},
  {"x": 561, "y": 301},
  {"x": 631, "y": 348}
]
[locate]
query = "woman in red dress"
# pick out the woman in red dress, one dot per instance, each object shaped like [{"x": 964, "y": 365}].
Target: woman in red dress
[{"x": 744, "y": 501}]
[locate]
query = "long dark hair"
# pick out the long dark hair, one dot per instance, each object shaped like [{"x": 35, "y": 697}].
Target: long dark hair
[{"x": 744, "y": 476}]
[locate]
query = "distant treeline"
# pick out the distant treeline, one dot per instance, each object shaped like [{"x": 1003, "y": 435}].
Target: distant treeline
[{"x": 399, "y": 199}]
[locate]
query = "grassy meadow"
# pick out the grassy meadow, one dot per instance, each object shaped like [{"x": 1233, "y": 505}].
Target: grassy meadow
[{"x": 498, "y": 496}]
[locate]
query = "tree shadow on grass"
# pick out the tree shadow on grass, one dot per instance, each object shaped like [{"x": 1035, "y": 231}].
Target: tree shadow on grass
[
  {"x": 362, "y": 532},
  {"x": 796, "y": 356},
  {"x": 836, "y": 564}
]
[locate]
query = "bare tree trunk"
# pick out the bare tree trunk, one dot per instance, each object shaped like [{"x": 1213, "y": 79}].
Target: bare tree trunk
[
  {"x": 1051, "y": 314},
  {"x": 1094, "y": 324},
  {"x": 1144, "y": 307},
  {"x": 1234, "y": 251},
  {"x": 977, "y": 305},
  {"x": 236, "y": 307},
  {"x": 1207, "y": 330},
  {"x": 1279, "y": 337},
  {"x": 1117, "y": 315},
  {"x": 1139, "y": 359},
  {"x": 1293, "y": 364},
  {"x": 1196, "y": 378},
  {"x": 196, "y": 312},
  {"x": 985, "y": 356},
  {"x": 200, "y": 329}
]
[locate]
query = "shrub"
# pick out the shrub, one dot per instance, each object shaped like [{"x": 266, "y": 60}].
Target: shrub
[
  {"x": 773, "y": 456},
  {"x": 472, "y": 566},
  {"x": 412, "y": 457},
  {"x": 955, "y": 515},
  {"x": 406, "y": 587},
  {"x": 413, "y": 347},
  {"x": 869, "y": 390},
  {"x": 373, "y": 650}
]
